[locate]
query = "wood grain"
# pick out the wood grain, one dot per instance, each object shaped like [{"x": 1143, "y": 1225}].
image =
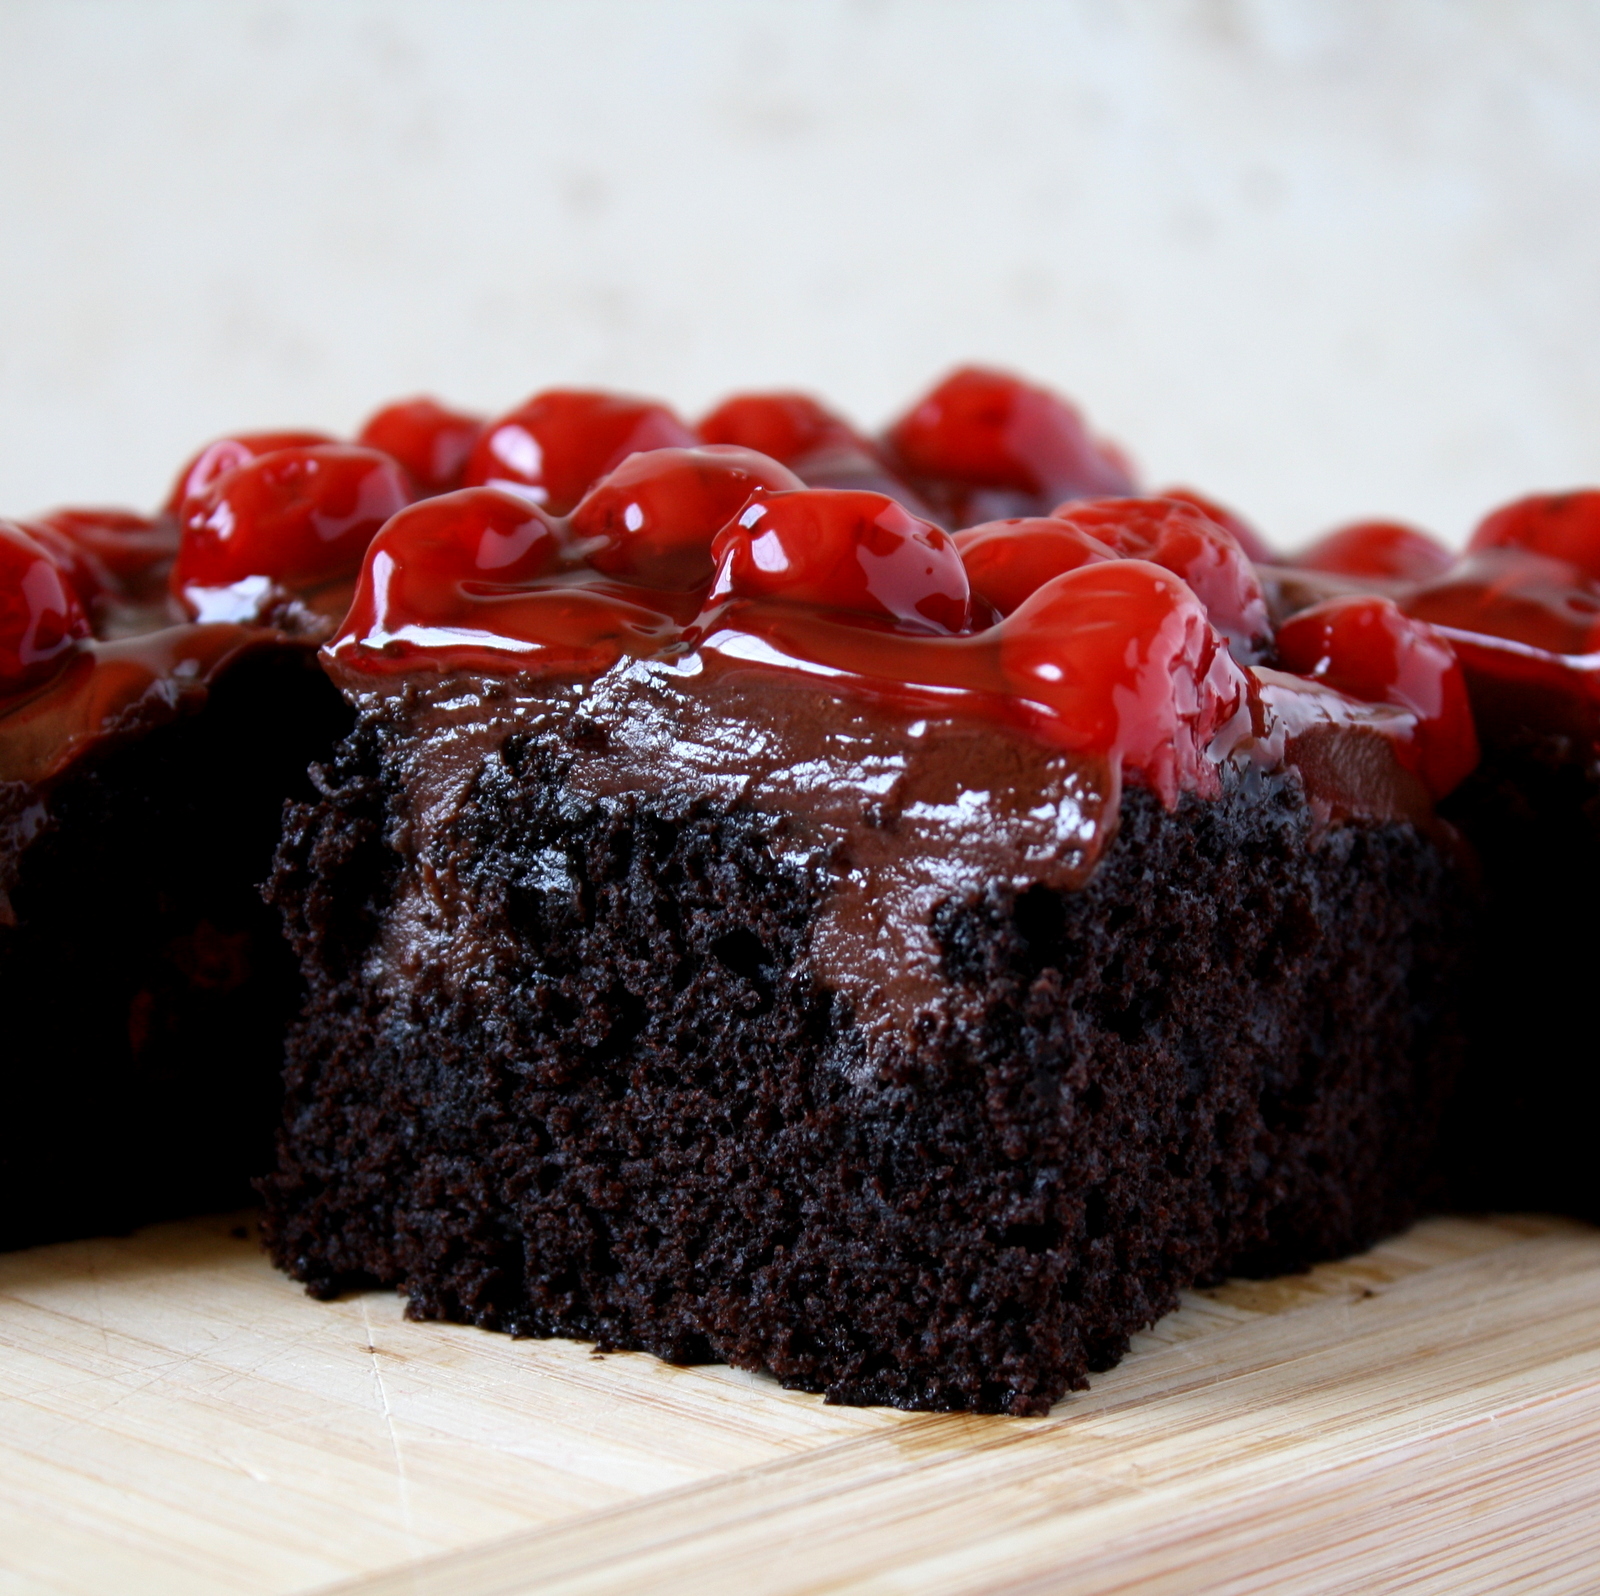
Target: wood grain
[{"x": 175, "y": 1418}]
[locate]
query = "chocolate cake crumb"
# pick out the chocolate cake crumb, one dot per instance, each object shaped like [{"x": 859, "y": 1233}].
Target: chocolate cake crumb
[
  {"x": 636, "y": 1116},
  {"x": 146, "y": 986}
]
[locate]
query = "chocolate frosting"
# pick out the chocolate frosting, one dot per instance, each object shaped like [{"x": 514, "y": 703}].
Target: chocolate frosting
[{"x": 897, "y": 810}]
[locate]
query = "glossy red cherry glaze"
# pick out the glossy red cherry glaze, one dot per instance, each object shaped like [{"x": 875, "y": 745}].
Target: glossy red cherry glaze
[
  {"x": 1124, "y": 656},
  {"x": 1512, "y": 593},
  {"x": 431, "y": 442},
  {"x": 837, "y": 549},
  {"x": 1256, "y": 547},
  {"x": 786, "y": 427},
  {"x": 1115, "y": 658},
  {"x": 1008, "y": 561},
  {"x": 290, "y": 518},
  {"x": 1377, "y": 549},
  {"x": 482, "y": 579},
  {"x": 1366, "y": 647},
  {"x": 821, "y": 448},
  {"x": 41, "y": 616},
  {"x": 119, "y": 549},
  {"x": 558, "y": 443},
  {"x": 1177, "y": 536},
  {"x": 984, "y": 445},
  {"x": 1561, "y": 526},
  {"x": 653, "y": 518},
  {"x": 225, "y": 454}
]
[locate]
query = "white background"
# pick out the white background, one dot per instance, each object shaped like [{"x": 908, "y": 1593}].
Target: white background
[{"x": 1323, "y": 259}]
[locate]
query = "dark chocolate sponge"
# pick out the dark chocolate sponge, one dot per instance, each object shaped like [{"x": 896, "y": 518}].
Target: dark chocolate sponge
[
  {"x": 145, "y": 985},
  {"x": 1522, "y": 1133},
  {"x": 640, "y": 1119}
]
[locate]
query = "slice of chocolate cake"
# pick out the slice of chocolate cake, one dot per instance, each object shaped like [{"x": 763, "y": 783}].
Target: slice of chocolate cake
[
  {"x": 160, "y": 699},
  {"x": 747, "y": 923},
  {"x": 1521, "y": 609}
]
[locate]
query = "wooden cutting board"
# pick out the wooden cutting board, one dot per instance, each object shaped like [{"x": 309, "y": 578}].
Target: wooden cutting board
[{"x": 176, "y": 1418}]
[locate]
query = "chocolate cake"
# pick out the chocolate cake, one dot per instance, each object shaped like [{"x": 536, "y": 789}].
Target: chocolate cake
[
  {"x": 160, "y": 699},
  {"x": 749, "y": 923},
  {"x": 1521, "y": 610},
  {"x": 890, "y": 912}
]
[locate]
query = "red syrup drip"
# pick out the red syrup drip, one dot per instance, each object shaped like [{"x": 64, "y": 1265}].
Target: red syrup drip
[
  {"x": 984, "y": 445},
  {"x": 432, "y": 442},
  {"x": 1366, "y": 647},
  {"x": 553, "y": 447},
  {"x": 841, "y": 587}
]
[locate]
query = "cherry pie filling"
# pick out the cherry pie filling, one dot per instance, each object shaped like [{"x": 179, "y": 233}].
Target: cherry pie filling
[{"x": 986, "y": 557}]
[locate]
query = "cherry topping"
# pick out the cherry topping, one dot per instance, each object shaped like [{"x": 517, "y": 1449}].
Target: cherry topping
[
  {"x": 89, "y": 578},
  {"x": 431, "y": 442},
  {"x": 1008, "y": 560},
  {"x": 1122, "y": 653},
  {"x": 41, "y": 617},
  {"x": 1174, "y": 534},
  {"x": 787, "y": 426},
  {"x": 822, "y": 449},
  {"x": 1563, "y": 526},
  {"x": 1377, "y": 549},
  {"x": 1244, "y": 534},
  {"x": 116, "y": 545},
  {"x": 226, "y": 453},
  {"x": 654, "y": 517},
  {"x": 844, "y": 550},
  {"x": 554, "y": 446},
  {"x": 295, "y": 517},
  {"x": 1513, "y": 593},
  {"x": 472, "y": 578},
  {"x": 1366, "y": 647},
  {"x": 984, "y": 445}
]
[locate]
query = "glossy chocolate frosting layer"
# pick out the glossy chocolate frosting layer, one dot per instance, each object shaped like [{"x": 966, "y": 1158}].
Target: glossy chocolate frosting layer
[{"x": 897, "y": 810}]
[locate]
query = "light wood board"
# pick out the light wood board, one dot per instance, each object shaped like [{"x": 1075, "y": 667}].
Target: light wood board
[{"x": 176, "y": 1418}]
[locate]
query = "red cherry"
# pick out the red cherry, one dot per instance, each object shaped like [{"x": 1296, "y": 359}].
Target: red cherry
[
  {"x": 1245, "y": 535},
  {"x": 1008, "y": 560},
  {"x": 478, "y": 577},
  {"x": 90, "y": 580},
  {"x": 1366, "y": 647},
  {"x": 431, "y": 442},
  {"x": 785, "y": 426},
  {"x": 1001, "y": 447},
  {"x": 654, "y": 517},
  {"x": 822, "y": 449},
  {"x": 1174, "y": 534},
  {"x": 844, "y": 550},
  {"x": 41, "y": 617},
  {"x": 1513, "y": 593},
  {"x": 1121, "y": 654},
  {"x": 226, "y": 453},
  {"x": 1377, "y": 549},
  {"x": 117, "y": 546},
  {"x": 559, "y": 442},
  {"x": 1563, "y": 526},
  {"x": 293, "y": 518}
]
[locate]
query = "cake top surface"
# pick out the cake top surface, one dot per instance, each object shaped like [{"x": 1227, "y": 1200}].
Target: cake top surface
[{"x": 985, "y": 556}]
